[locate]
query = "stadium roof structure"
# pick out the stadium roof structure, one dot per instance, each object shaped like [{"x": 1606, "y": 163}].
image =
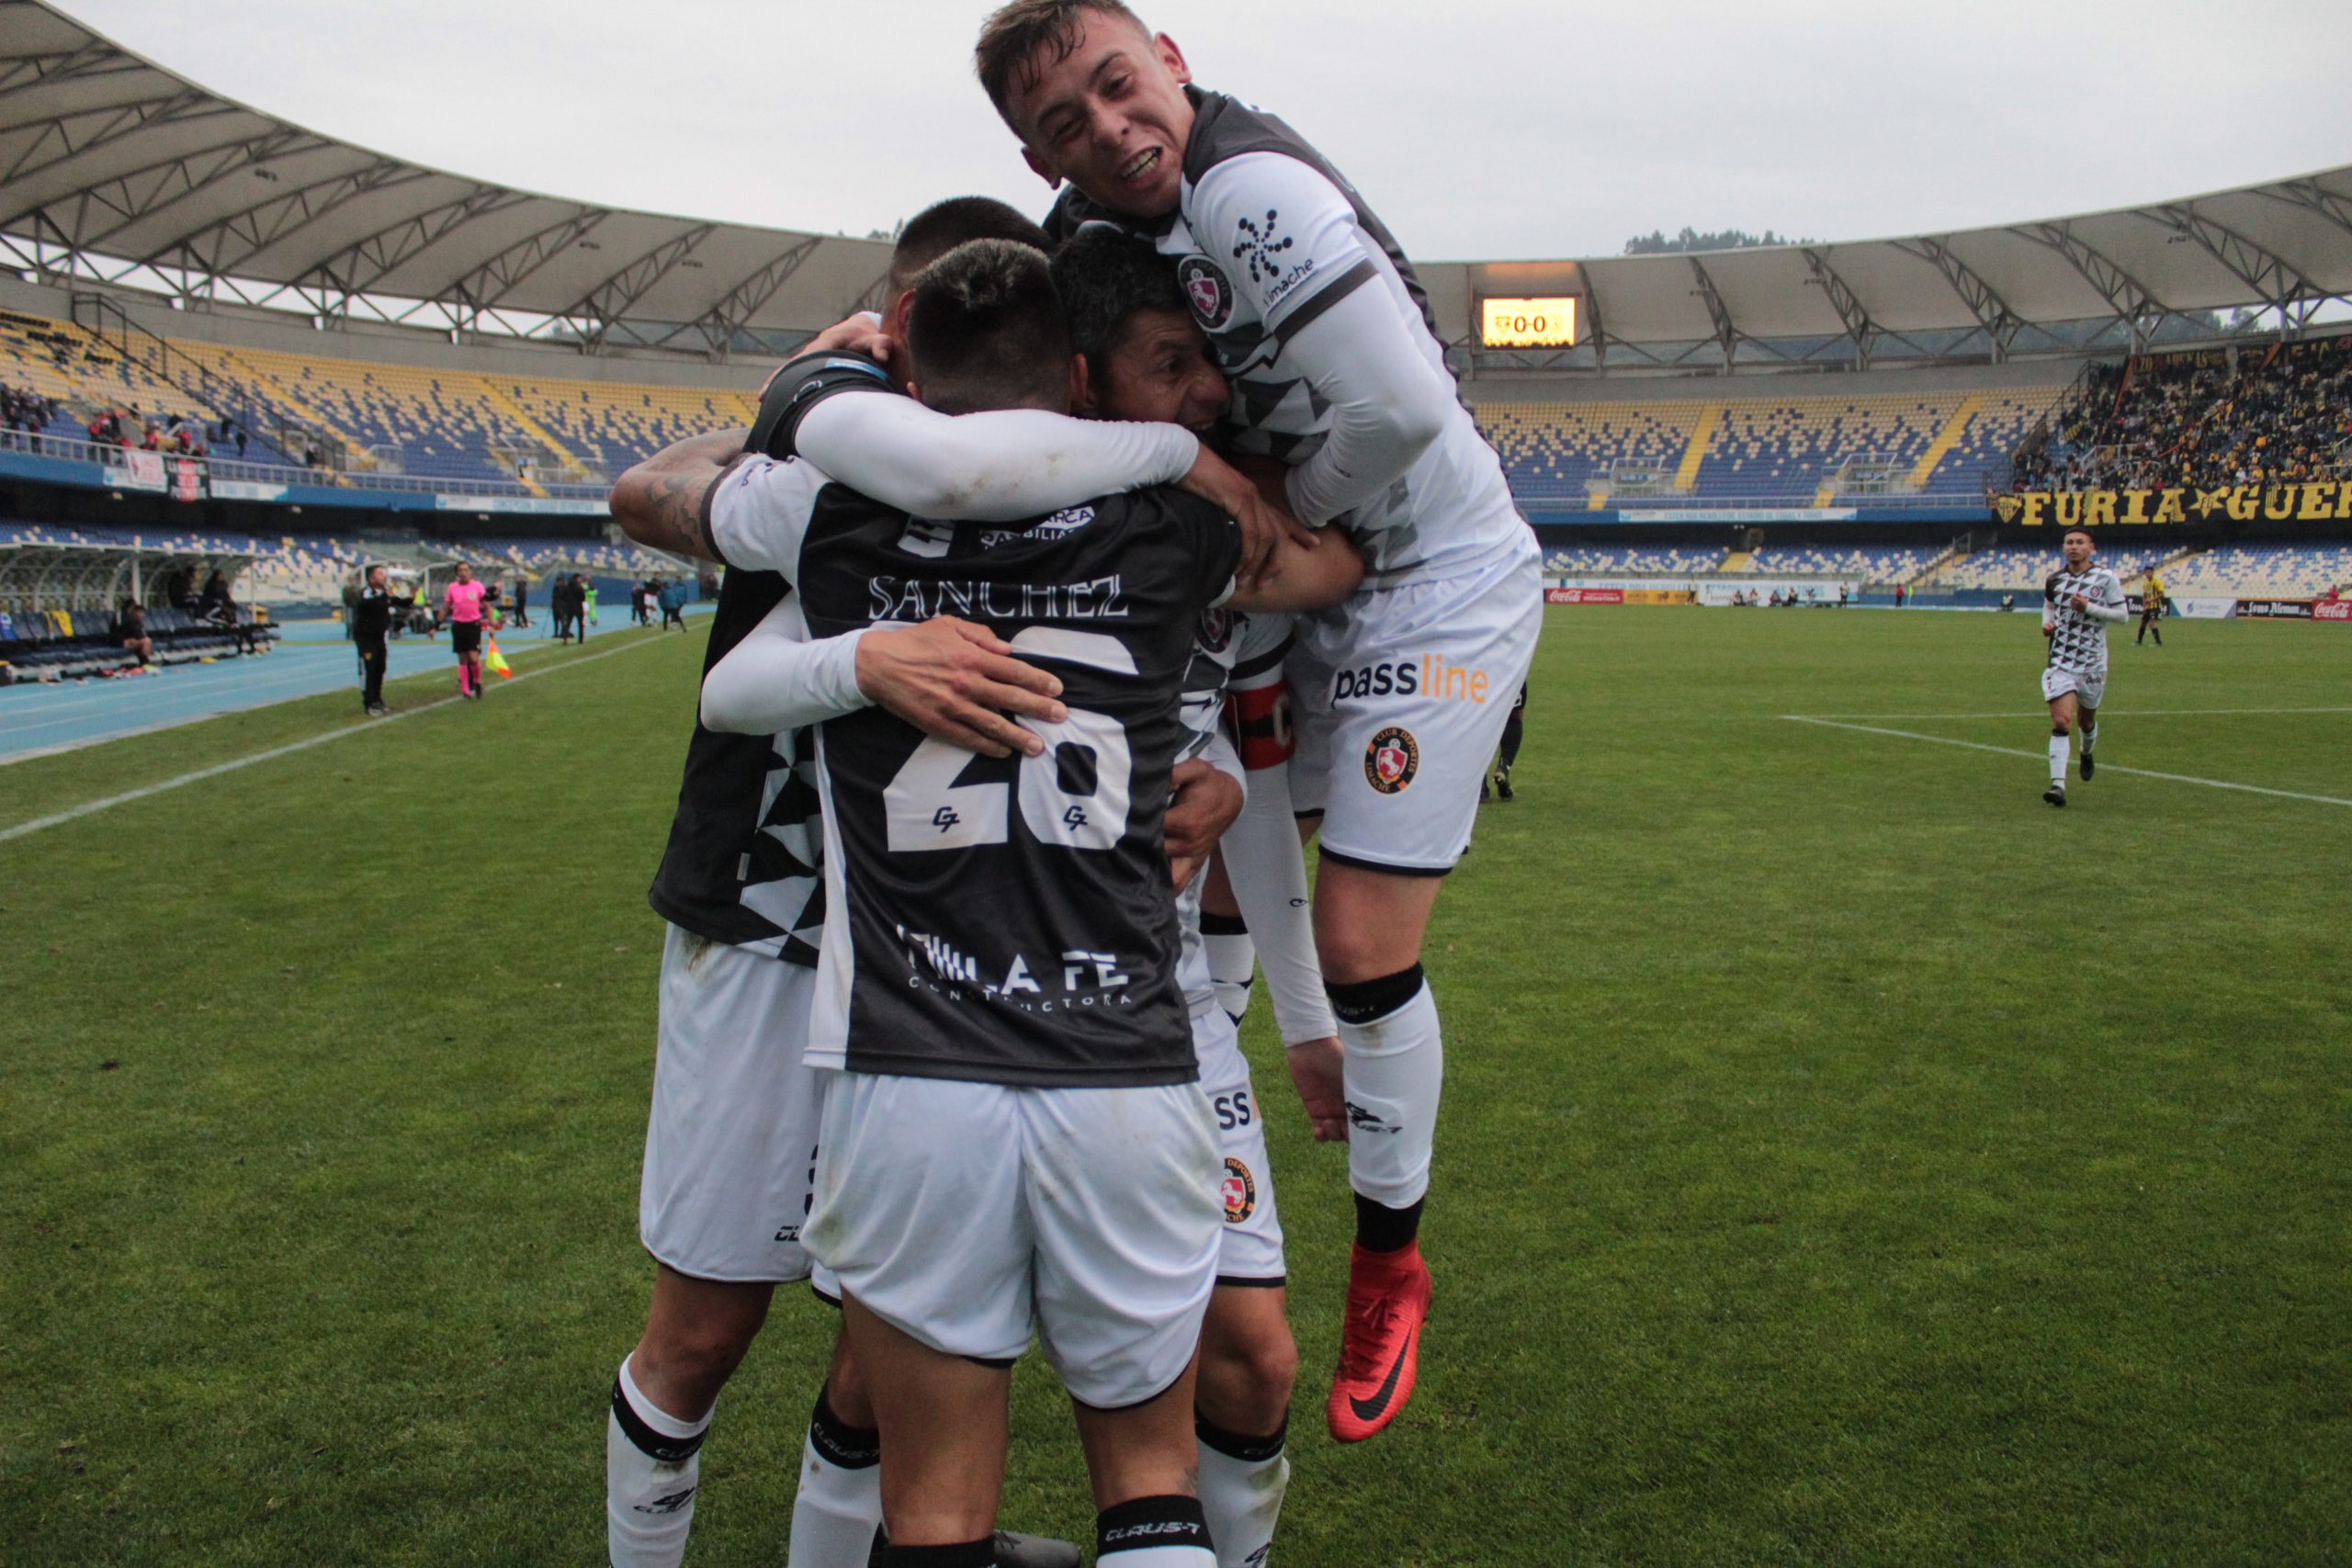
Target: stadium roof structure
[{"x": 116, "y": 171}]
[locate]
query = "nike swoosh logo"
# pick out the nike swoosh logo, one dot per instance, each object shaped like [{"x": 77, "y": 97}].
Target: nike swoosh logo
[{"x": 1370, "y": 1409}]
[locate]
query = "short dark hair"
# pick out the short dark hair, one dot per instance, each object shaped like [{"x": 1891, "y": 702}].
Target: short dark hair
[
  {"x": 2070, "y": 533},
  {"x": 1104, "y": 277},
  {"x": 1012, "y": 39},
  {"x": 943, "y": 225},
  {"x": 986, "y": 332}
]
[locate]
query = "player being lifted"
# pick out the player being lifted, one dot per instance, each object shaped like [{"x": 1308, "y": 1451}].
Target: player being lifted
[
  {"x": 1337, "y": 372},
  {"x": 2079, "y": 602}
]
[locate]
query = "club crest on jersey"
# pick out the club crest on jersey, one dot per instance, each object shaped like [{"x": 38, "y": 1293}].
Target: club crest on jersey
[
  {"x": 1391, "y": 760},
  {"x": 1206, "y": 286},
  {"x": 1240, "y": 1191},
  {"x": 1217, "y": 630}
]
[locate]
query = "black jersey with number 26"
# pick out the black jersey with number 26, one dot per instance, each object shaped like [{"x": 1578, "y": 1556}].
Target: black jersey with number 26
[{"x": 1007, "y": 920}]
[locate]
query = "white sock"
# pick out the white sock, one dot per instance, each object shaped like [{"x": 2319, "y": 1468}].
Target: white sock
[
  {"x": 1242, "y": 1481},
  {"x": 838, "y": 1506},
  {"x": 652, "y": 1465},
  {"x": 1233, "y": 959},
  {"x": 1392, "y": 1075},
  {"x": 2058, "y": 760}
]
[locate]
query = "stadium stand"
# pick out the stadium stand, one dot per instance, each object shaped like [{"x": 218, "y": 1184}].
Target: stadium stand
[
  {"x": 2279, "y": 412},
  {"x": 1634, "y": 560},
  {"x": 2264, "y": 571},
  {"x": 1875, "y": 563},
  {"x": 2018, "y": 568},
  {"x": 1803, "y": 451},
  {"x": 597, "y": 556}
]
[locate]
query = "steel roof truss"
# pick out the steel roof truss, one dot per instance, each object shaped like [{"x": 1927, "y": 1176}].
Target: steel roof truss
[
  {"x": 1984, "y": 301},
  {"x": 1848, "y": 306},
  {"x": 720, "y": 324},
  {"x": 1726, "y": 331},
  {"x": 607, "y": 302}
]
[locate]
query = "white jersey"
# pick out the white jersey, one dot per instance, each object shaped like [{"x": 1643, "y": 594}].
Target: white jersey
[
  {"x": 1227, "y": 639},
  {"x": 2077, "y": 638},
  {"x": 1268, "y": 236}
]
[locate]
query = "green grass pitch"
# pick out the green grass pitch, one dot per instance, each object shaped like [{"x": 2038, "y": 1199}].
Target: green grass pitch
[{"x": 1847, "y": 1158}]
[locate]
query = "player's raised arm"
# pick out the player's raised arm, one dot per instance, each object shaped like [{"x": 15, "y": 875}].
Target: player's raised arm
[
  {"x": 1331, "y": 322},
  {"x": 1003, "y": 466},
  {"x": 947, "y": 677},
  {"x": 1312, "y": 576},
  {"x": 664, "y": 502}
]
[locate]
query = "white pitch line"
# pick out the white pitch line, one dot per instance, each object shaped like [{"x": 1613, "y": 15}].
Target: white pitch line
[
  {"x": 75, "y": 814},
  {"x": 2106, "y": 713},
  {"x": 2043, "y": 756}
]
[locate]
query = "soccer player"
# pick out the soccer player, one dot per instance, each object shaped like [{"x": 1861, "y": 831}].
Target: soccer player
[
  {"x": 999, "y": 954},
  {"x": 1514, "y": 731},
  {"x": 2079, "y": 602},
  {"x": 462, "y": 601},
  {"x": 2152, "y": 611},
  {"x": 1140, "y": 358},
  {"x": 734, "y": 1108},
  {"x": 1338, "y": 373}
]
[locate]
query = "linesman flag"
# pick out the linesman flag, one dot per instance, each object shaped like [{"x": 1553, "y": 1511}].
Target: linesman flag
[{"x": 495, "y": 661}]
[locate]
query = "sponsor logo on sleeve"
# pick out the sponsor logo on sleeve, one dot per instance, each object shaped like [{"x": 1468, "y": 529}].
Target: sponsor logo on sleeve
[{"x": 1391, "y": 760}]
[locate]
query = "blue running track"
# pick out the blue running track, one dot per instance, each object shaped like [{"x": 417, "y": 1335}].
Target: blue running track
[{"x": 313, "y": 656}]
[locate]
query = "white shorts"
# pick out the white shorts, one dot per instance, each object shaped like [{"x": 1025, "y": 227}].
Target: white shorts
[
  {"x": 965, "y": 1214},
  {"x": 733, "y": 1135},
  {"x": 2088, "y": 688},
  {"x": 1404, "y": 695},
  {"x": 1251, "y": 1251}
]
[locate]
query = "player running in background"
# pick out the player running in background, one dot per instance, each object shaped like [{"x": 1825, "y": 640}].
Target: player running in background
[
  {"x": 1337, "y": 372},
  {"x": 2152, "y": 610},
  {"x": 1514, "y": 731},
  {"x": 2079, "y": 602},
  {"x": 461, "y": 603}
]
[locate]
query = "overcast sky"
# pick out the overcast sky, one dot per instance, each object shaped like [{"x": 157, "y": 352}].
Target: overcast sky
[{"x": 1485, "y": 128}]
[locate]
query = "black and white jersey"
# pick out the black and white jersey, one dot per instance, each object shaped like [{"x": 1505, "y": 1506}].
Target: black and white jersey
[
  {"x": 1005, "y": 921},
  {"x": 743, "y": 862},
  {"x": 2078, "y": 640},
  {"x": 1267, "y": 237}
]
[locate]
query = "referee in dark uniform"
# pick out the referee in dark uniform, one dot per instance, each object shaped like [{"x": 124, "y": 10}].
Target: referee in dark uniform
[{"x": 372, "y": 618}]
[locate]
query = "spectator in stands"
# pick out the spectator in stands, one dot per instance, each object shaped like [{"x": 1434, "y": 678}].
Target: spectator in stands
[{"x": 130, "y": 629}]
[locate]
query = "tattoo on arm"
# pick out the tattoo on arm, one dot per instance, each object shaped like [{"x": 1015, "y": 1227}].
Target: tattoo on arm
[{"x": 664, "y": 502}]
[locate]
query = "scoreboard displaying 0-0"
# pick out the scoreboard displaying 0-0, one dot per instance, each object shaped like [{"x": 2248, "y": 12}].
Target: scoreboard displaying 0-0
[{"x": 1527, "y": 324}]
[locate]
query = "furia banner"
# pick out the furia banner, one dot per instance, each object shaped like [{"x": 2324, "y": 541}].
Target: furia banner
[{"x": 2319, "y": 500}]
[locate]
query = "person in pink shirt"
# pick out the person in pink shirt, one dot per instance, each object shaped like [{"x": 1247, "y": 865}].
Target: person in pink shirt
[{"x": 462, "y": 601}]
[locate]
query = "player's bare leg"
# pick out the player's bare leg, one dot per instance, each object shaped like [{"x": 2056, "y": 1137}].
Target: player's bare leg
[
  {"x": 837, "y": 1511},
  {"x": 1369, "y": 926},
  {"x": 2062, "y": 724},
  {"x": 1141, "y": 1462},
  {"x": 945, "y": 1426},
  {"x": 695, "y": 1335},
  {"x": 1249, "y": 1366}
]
